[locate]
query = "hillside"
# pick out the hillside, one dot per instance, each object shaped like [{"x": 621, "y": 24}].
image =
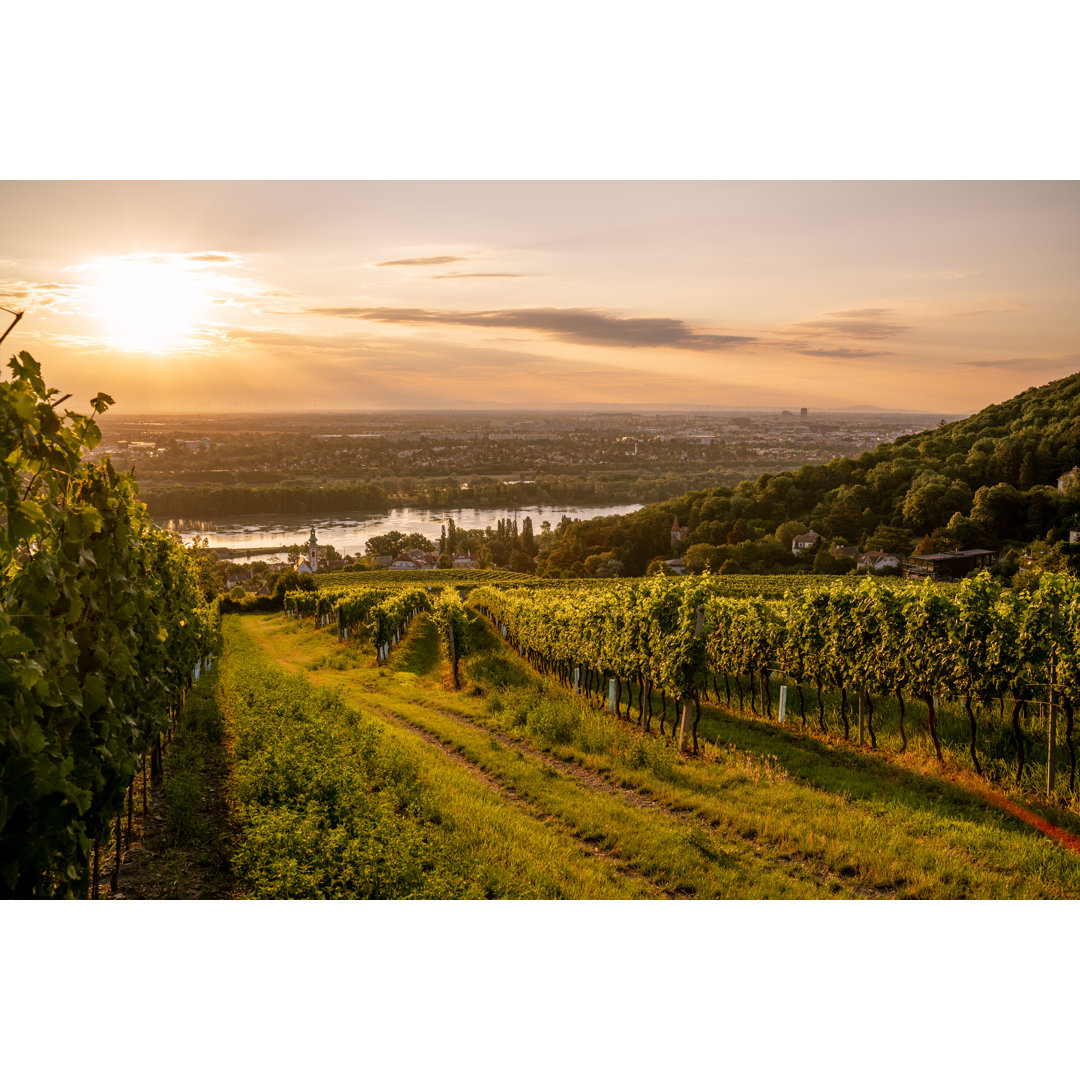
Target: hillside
[
  {"x": 983, "y": 481},
  {"x": 516, "y": 787}
]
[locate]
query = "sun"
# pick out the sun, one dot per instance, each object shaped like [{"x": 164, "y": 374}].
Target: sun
[{"x": 147, "y": 303}]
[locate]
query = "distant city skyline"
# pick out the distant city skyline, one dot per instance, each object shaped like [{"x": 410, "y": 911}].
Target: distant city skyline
[{"x": 273, "y": 296}]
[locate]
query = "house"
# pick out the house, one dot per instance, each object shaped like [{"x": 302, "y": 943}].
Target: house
[
  {"x": 414, "y": 559},
  {"x": 802, "y": 543},
  {"x": 679, "y": 535},
  {"x": 847, "y": 551},
  {"x": 311, "y": 563},
  {"x": 949, "y": 566},
  {"x": 426, "y": 560},
  {"x": 464, "y": 562},
  {"x": 676, "y": 566},
  {"x": 877, "y": 560},
  {"x": 1069, "y": 479}
]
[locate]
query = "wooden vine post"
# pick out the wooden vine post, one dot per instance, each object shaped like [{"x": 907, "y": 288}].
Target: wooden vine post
[
  {"x": 688, "y": 704},
  {"x": 1051, "y": 723}
]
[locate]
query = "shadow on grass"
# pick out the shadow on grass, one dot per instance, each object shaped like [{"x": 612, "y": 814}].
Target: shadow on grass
[{"x": 861, "y": 776}]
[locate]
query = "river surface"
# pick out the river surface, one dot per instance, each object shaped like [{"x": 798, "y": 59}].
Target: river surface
[{"x": 348, "y": 534}]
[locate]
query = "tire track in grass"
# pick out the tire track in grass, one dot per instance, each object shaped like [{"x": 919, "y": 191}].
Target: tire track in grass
[
  {"x": 808, "y": 867},
  {"x": 1058, "y": 835},
  {"x": 362, "y": 685},
  {"x": 943, "y": 848},
  {"x": 619, "y": 865}
]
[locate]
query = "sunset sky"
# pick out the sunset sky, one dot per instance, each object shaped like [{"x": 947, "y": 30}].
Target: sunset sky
[{"x": 191, "y": 296}]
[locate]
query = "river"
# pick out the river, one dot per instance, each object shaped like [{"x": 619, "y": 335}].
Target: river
[{"x": 348, "y": 534}]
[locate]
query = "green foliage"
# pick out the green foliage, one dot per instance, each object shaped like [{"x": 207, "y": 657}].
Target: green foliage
[
  {"x": 450, "y": 617},
  {"x": 975, "y": 639},
  {"x": 392, "y": 614},
  {"x": 327, "y": 807},
  {"x": 102, "y": 622},
  {"x": 984, "y": 480}
]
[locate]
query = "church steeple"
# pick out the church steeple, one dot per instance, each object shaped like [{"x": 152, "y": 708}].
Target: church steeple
[{"x": 313, "y": 551}]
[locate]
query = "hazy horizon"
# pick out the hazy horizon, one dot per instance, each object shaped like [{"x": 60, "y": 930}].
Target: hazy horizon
[{"x": 265, "y": 296}]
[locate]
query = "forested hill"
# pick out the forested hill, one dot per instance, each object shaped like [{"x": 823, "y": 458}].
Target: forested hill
[{"x": 982, "y": 481}]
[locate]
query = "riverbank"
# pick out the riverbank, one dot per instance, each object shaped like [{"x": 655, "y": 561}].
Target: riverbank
[{"x": 248, "y": 537}]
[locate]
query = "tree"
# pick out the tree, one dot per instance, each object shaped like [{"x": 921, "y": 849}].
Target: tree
[
  {"x": 932, "y": 499},
  {"x": 827, "y": 563},
  {"x": 844, "y": 518},
  {"x": 702, "y": 557},
  {"x": 788, "y": 531},
  {"x": 528, "y": 541},
  {"x": 521, "y": 563},
  {"x": 419, "y": 540},
  {"x": 888, "y": 538},
  {"x": 966, "y": 532},
  {"x": 926, "y": 547},
  {"x": 1000, "y": 509},
  {"x": 385, "y": 544}
]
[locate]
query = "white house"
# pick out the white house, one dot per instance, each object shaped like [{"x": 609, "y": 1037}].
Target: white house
[
  {"x": 1070, "y": 478},
  {"x": 877, "y": 560},
  {"x": 802, "y": 543},
  {"x": 414, "y": 559},
  {"x": 311, "y": 563}
]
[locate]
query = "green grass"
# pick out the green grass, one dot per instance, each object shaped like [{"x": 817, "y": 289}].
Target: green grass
[
  {"x": 762, "y": 811},
  {"x": 332, "y": 802}
]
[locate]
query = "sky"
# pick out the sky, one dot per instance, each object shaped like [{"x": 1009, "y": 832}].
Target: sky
[{"x": 264, "y": 295}]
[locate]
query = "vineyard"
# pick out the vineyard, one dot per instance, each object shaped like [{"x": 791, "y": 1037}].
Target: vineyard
[
  {"x": 760, "y": 810},
  {"x": 482, "y": 733},
  {"x": 976, "y": 646},
  {"x": 766, "y": 586},
  {"x": 831, "y": 652},
  {"x": 102, "y": 630}
]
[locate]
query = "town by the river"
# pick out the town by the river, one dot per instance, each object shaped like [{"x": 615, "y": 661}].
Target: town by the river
[{"x": 271, "y": 537}]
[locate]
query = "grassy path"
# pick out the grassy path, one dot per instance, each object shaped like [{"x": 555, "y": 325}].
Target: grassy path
[{"x": 763, "y": 811}]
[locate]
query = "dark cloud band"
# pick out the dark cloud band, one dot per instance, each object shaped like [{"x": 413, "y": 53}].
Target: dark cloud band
[
  {"x": 579, "y": 325},
  {"x": 427, "y": 260}
]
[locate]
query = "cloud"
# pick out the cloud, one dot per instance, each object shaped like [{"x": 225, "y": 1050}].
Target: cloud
[
  {"x": 36, "y": 294},
  {"x": 1027, "y": 363},
  {"x": 439, "y": 277},
  {"x": 862, "y": 323},
  {"x": 581, "y": 326},
  {"x": 842, "y": 354},
  {"x": 214, "y": 257},
  {"x": 427, "y": 260},
  {"x": 1002, "y": 307}
]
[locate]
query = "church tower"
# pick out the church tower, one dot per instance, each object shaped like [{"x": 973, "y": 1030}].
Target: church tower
[{"x": 313, "y": 551}]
